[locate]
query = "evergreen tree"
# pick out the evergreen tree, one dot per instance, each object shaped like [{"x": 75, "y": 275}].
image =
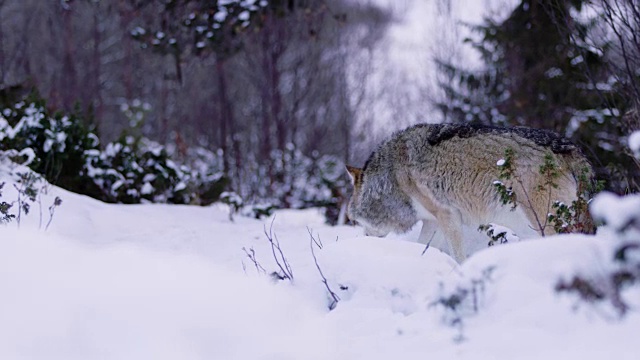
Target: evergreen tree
[{"x": 540, "y": 71}]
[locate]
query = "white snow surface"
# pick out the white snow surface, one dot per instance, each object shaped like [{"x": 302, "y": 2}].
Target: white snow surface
[
  {"x": 173, "y": 282},
  {"x": 634, "y": 143}
]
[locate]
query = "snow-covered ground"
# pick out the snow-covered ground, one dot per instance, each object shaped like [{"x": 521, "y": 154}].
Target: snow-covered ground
[{"x": 173, "y": 282}]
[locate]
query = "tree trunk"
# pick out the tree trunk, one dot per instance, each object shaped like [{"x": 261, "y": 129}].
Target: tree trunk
[
  {"x": 225, "y": 114},
  {"x": 126, "y": 17},
  {"x": 97, "y": 68},
  {"x": 69, "y": 76},
  {"x": 3, "y": 61}
]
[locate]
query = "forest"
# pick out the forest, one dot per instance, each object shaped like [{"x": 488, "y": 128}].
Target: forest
[{"x": 263, "y": 102}]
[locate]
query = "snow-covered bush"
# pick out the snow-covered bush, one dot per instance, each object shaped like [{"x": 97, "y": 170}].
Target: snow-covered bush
[
  {"x": 463, "y": 299},
  {"x": 498, "y": 234},
  {"x": 563, "y": 218},
  {"x": 130, "y": 170},
  {"x": 611, "y": 281},
  {"x": 24, "y": 194},
  {"x": 5, "y": 215},
  {"x": 207, "y": 176},
  {"x": 295, "y": 180},
  {"x": 634, "y": 144},
  {"x": 134, "y": 169},
  {"x": 620, "y": 216},
  {"x": 53, "y": 145}
]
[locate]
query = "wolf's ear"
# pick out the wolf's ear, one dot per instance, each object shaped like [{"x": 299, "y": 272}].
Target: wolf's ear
[{"x": 354, "y": 173}]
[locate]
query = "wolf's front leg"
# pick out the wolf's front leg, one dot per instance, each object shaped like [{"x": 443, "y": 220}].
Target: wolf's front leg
[{"x": 450, "y": 221}]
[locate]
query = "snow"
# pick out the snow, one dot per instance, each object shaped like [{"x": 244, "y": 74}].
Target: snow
[
  {"x": 147, "y": 189},
  {"x": 619, "y": 213},
  {"x": 244, "y": 16},
  {"x": 173, "y": 282},
  {"x": 634, "y": 143}
]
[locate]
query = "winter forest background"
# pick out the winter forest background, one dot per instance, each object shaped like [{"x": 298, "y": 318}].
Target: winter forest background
[{"x": 263, "y": 102}]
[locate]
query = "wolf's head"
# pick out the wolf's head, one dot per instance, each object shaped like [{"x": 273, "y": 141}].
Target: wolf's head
[
  {"x": 375, "y": 206},
  {"x": 358, "y": 209}
]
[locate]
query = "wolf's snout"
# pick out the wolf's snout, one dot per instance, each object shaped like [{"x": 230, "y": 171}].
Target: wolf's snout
[{"x": 374, "y": 232}]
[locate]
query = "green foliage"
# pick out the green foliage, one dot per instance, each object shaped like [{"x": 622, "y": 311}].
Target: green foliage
[
  {"x": 610, "y": 286},
  {"x": 463, "y": 301},
  {"x": 550, "y": 173},
  {"x": 27, "y": 192},
  {"x": 234, "y": 201},
  {"x": 129, "y": 170},
  {"x": 506, "y": 194},
  {"x": 56, "y": 143},
  {"x": 5, "y": 215},
  {"x": 575, "y": 217},
  {"x": 496, "y": 236},
  {"x": 128, "y": 173},
  {"x": 29, "y": 188},
  {"x": 259, "y": 211},
  {"x": 200, "y": 27},
  {"x": 542, "y": 70},
  {"x": 621, "y": 216},
  {"x": 561, "y": 217},
  {"x": 134, "y": 169}
]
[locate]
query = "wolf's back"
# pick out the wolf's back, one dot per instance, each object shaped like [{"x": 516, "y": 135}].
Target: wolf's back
[
  {"x": 438, "y": 133},
  {"x": 463, "y": 157}
]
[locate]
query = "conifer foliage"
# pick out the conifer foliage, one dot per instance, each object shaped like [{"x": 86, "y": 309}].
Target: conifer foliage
[{"x": 541, "y": 69}]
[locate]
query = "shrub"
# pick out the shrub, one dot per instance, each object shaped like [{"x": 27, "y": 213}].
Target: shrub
[
  {"x": 134, "y": 169},
  {"x": 620, "y": 217},
  {"x": 5, "y": 215},
  {"x": 130, "y": 170},
  {"x": 51, "y": 145},
  {"x": 561, "y": 217},
  {"x": 296, "y": 180}
]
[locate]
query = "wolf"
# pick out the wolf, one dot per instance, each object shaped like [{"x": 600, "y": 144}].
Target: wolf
[{"x": 445, "y": 174}]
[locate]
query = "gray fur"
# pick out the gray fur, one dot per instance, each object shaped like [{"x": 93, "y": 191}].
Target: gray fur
[{"x": 448, "y": 170}]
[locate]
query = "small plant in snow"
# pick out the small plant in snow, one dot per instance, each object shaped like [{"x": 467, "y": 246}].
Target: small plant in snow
[
  {"x": 251, "y": 254},
  {"x": 234, "y": 201},
  {"x": 5, "y": 215},
  {"x": 29, "y": 187},
  {"x": 27, "y": 193},
  {"x": 285, "y": 273},
  {"x": 259, "y": 211},
  {"x": 498, "y": 234},
  {"x": 333, "y": 297},
  {"x": 621, "y": 216},
  {"x": 463, "y": 301},
  {"x": 52, "y": 209}
]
